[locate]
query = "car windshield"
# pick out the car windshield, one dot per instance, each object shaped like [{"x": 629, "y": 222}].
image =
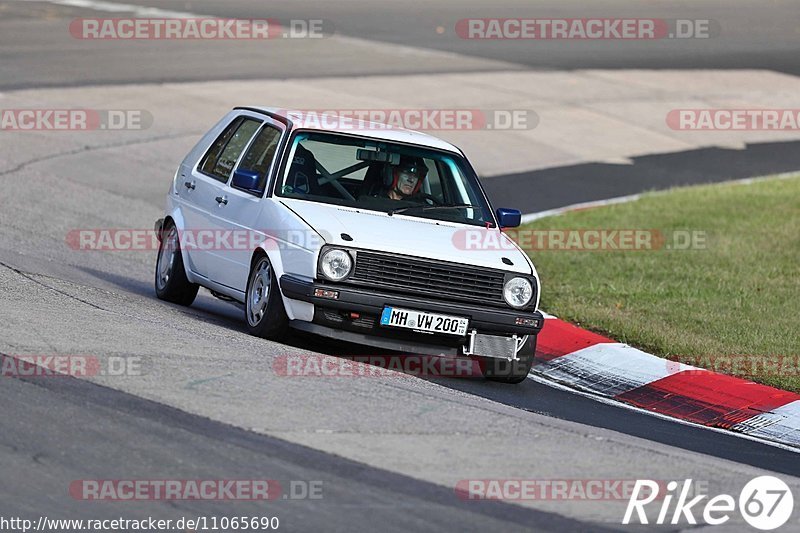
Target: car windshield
[{"x": 382, "y": 176}]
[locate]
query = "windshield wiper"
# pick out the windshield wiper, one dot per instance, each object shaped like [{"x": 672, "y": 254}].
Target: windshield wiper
[{"x": 431, "y": 207}]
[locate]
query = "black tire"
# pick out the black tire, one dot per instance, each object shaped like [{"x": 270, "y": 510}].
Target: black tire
[
  {"x": 264, "y": 311},
  {"x": 171, "y": 282},
  {"x": 511, "y": 372}
]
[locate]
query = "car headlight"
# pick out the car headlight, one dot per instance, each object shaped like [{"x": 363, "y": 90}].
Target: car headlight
[
  {"x": 518, "y": 292},
  {"x": 336, "y": 264}
]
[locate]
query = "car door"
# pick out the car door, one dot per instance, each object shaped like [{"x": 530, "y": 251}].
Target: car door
[
  {"x": 191, "y": 208},
  {"x": 240, "y": 215},
  {"x": 209, "y": 195}
]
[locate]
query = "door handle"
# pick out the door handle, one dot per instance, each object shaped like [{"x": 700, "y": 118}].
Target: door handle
[
  {"x": 222, "y": 200},
  {"x": 189, "y": 185}
]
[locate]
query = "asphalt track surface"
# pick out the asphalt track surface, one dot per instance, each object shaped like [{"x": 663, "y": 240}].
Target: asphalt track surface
[
  {"x": 182, "y": 446},
  {"x": 540, "y": 190},
  {"x": 195, "y": 425},
  {"x": 750, "y": 36}
]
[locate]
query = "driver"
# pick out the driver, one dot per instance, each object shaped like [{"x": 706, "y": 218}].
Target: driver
[{"x": 404, "y": 180}]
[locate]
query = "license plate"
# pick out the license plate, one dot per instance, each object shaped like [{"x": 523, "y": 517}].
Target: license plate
[{"x": 423, "y": 321}]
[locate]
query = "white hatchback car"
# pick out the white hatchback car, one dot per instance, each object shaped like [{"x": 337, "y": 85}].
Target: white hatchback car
[{"x": 363, "y": 233}]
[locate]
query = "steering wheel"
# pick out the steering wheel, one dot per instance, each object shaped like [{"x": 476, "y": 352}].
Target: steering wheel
[{"x": 426, "y": 196}]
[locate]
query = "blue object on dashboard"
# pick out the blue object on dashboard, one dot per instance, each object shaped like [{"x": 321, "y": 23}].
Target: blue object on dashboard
[
  {"x": 246, "y": 179},
  {"x": 509, "y": 218}
]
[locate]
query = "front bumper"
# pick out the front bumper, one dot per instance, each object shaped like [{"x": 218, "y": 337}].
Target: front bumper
[{"x": 370, "y": 303}]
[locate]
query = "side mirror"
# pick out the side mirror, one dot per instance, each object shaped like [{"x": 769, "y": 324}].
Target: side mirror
[
  {"x": 509, "y": 218},
  {"x": 245, "y": 179}
]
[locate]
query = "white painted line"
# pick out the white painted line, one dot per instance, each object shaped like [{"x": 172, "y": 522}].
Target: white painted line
[
  {"x": 113, "y": 7},
  {"x": 575, "y": 207},
  {"x": 610, "y": 401},
  {"x": 633, "y": 197}
]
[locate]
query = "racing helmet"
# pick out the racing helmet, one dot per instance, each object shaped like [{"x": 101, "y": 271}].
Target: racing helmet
[{"x": 408, "y": 165}]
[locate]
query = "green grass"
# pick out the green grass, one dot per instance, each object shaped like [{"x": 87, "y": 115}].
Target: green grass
[{"x": 739, "y": 296}]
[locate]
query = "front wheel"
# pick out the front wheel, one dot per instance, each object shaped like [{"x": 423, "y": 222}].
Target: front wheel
[
  {"x": 266, "y": 316},
  {"x": 172, "y": 285},
  {"x": 512, "y": 372}
]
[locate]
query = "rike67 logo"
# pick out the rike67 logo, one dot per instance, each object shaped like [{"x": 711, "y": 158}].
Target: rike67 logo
[{"x": 765, "y": 503}]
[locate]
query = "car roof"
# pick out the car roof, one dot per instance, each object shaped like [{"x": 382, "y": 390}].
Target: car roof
[{"x": 310, "y": 120}]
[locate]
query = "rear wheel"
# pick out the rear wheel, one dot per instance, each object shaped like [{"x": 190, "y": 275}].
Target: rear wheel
[
  {"x": 512, "y": 372},
  {"x": 266, "y": 316},
  {"x": 172, "y": 284}
]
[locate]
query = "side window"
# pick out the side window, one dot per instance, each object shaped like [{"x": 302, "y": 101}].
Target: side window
[
  {"x": 259, "y": 156},
  {"x": 223, "y": 154},
  {"x": 335, "y": 157},
  {"x": 433, "y": 181}
]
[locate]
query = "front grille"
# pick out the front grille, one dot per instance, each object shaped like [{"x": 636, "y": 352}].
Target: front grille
[
  {"x": 428, "y": 278},
  {"x": 339, "y": 317},
  {"x": 332, "y": 316},
  {"x": 366, "y": 322}
]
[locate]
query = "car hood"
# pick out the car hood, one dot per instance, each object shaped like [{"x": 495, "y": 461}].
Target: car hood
[{"x": 418, "y": 237}]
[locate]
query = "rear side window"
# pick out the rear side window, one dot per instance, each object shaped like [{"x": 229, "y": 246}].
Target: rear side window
[
  {"x": 261, "y": 153},
  {"x": 223, "y": 154}
]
